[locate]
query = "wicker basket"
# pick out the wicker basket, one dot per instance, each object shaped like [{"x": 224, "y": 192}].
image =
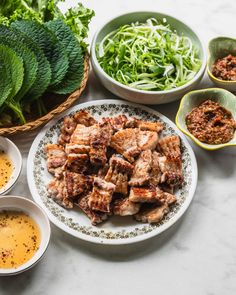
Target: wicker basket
[{"x": 34, "y": 123}]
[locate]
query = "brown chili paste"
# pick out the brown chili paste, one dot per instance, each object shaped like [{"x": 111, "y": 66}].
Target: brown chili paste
[
  {"x": 211, "y": 123},
  {"x": 225, "y": 68}
]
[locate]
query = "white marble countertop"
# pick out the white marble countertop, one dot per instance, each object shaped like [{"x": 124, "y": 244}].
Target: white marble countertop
[{"x": 196, "y": 256}]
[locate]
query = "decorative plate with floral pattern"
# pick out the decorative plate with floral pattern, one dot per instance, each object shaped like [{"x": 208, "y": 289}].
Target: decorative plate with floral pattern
[{"x": 117, "y": 230}]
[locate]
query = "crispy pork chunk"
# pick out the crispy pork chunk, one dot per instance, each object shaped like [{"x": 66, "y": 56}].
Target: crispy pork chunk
[
  {"x": 101, "y": 196},
  {"x": 147, "y": 140},
  {"x": 58, "y": 192},
  {"x": 56, "y": 158},
  {"x": 94, "y": 216},
  {"x": 155, "y": 174},
  {"x": 67, "y": 128},
  {"x": 125, "y": 143},
  {"x": 84, "y": 118},
  {"x": 118, "y": 173},
  {"x": 102, "y": 172},
  {"x": 170, "y": 163},
  {"x": 117, "y": 123},
  {"x": 77, "y": 163},
  {"x": 99, "y": 140},
  {"x": 150, "y": 194},
  {"x": 124, "y": 207},
  {"x": 72, "y": 148},
  {"x": 142, "y": 168},
  {"x": 82, "y": 134},
  {"x": 130, "y": 142},
  {"x": 144, "y": 125},
  {"x": 170, "y": 147},
  {"x": 168, "y": 198},
  {"x": 77, "y": 183},
  {"x": 152, "y": 215},
  {"x": 171, "y": 171}
]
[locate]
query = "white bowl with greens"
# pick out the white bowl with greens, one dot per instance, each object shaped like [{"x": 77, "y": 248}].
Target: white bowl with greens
[{"x": 148, "y": 57}]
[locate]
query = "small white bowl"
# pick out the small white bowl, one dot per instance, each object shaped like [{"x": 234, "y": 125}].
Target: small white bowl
[
  {"x": 144, "y": 96},
  {"x": 36, "y": 212},
  {"x": 14, "y": 154}
]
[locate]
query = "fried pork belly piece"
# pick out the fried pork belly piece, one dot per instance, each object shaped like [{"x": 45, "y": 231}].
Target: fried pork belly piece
[
  {"x": 144, "y": 125},
  {"x": 152, "y": 215},
  {"x": 102, "y": 172},
  {"x": 168, "y": 198},
  {"x": 84, "y": 118},
  {"x": 130, "y": 142},
  {"x": 117, "y": 123},
  {"x": 58, "y": 192},
  {"x": 151, "y": 195},
  {"x": 77, "y": 163},
  {"x": 147, "y": 140},
  {"x": 99, "y": 140},
  {"x": 101, "y": 196},
  {"x": 171, "y": 163},
  {"x": 170, "y": 147},
  {"x": 155, "y": 174},
  {"x": 171, "y": 170},
  {"x": 95, "y": 217},
  {"x": 82, "y": 134},
  {"x": 145, "y": 194},
  {"x": 125, "y": 143},
  {"x": 77, "y": 183},
  {"x": 124, "y": 207},
  {"x": 56, "y": 158},
  {"x": 67, "y": 128},
  {"x": 72, "y": 148},
  {"x": 118, "y": 173},
  {"x": 142, "y": 168}
]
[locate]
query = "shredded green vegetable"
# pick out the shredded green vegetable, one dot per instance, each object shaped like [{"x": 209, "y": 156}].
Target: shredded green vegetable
[{"x": 148, "y": 56}]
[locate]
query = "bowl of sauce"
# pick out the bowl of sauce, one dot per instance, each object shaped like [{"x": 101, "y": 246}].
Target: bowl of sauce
[
  {"x": 24, "y": 234},
  {"x": 208, "y": 117},
  {"x": 221, "y": 64},
  {"x": 10, "y": 165}
]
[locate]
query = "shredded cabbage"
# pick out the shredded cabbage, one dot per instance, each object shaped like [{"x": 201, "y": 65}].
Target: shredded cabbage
[{"x": 148, "y": 56}]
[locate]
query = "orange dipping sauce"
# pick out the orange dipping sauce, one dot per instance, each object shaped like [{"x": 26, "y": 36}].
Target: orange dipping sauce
[
  {"x": 6, "y": 169},
  {"x": 19, "y": 238}
]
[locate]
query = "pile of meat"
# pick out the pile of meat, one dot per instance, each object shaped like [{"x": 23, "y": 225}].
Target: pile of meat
[{"x": 118, "y": 166}]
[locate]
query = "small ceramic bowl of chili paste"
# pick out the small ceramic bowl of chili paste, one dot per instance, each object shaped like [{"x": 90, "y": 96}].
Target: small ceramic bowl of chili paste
[
  {"x": 221, "y": 64},
  {"x": 208, "y": 117},
  {"x": 10, "y": 165}
]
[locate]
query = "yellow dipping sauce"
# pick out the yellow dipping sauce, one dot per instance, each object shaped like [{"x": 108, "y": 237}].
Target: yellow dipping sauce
[
  {"x": 19, "y": 238},
  {"x": 6, "y": 169}
]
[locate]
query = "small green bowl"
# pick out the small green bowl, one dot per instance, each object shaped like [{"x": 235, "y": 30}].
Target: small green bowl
[
  {"x": 194, "y": 99},
  {"x": 217, "y": 48}
]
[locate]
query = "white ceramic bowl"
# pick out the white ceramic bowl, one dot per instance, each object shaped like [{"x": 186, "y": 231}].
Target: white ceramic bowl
[
  {"x": 29, "y": 207},
  {"x": 14, "y": 154},
  {"x": 142, "y": 96}
]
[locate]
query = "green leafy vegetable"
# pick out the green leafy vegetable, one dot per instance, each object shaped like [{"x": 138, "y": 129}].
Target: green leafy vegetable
[
  {"x": 15, "y": 73},
  {"x": 43, "y": 75},
  {"x": 48, "y": 57},
  {"x": 77, "y": 17},
  {"x": 51, "y": 47},
  {"x": 148, "y": 56},
  {"x": 29, "y": 61},
  {"x": 75, "y": 71},
  {"x": 5, "y": 81}
]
